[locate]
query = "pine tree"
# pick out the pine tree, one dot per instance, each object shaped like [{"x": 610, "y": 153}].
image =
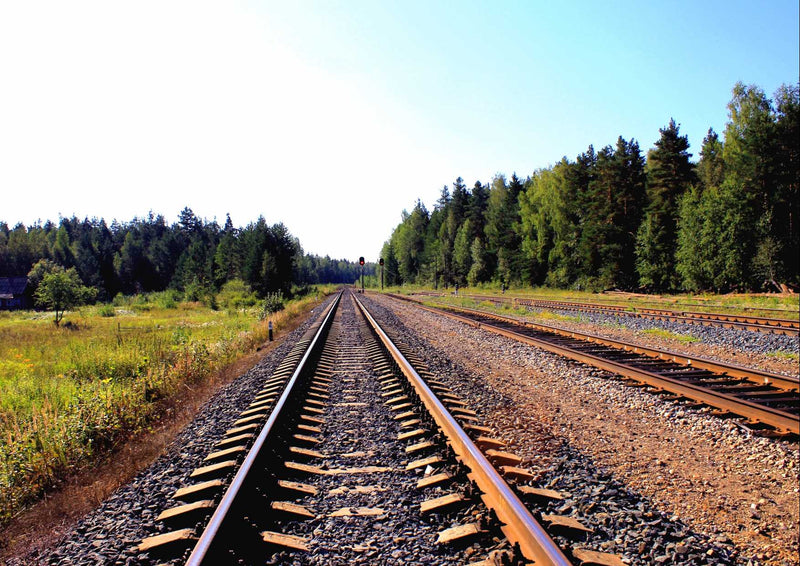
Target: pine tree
[
  {"x": 478, "y": 271},
  {"x": 462, "y": 253},
  {"x": 498, "y": 223},
  {"x": 390, "y": 268},
  {"x": 785, "y": 201},
  {"x": 62, "y": 252},
  {"x": 711, "y": 167},
  {"x": 669, "y": 175},
  {"x": 613, "y": 212},
  {"x": 226, "y": 256}
]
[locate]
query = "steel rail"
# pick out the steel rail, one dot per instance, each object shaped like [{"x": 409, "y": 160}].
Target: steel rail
[
  {"x": 518, "y": 523},
  {"x": 773, "y": 325},
  {"x": 780, "y": 420},
  {"x": 789, "y": 383},
  {"x": 613, "y": 306},
  {"x": 760, "y": 377},
  {"x": 742, "y": 322},
  {"x": 212, "y": 528}
]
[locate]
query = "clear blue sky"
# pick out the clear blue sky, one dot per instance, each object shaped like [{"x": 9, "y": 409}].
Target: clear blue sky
[{"x": 334, "y": 116}]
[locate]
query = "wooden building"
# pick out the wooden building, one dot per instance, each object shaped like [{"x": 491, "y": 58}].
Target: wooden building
[{"x": 15, "y": 293}]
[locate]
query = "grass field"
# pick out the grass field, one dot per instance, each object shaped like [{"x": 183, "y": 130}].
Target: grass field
[{"x": 68, "y": 394}]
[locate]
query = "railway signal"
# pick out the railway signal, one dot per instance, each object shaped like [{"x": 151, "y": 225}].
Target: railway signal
[
  {"x": 361, "y": 263},
  {"x": 380, "y": 262}
]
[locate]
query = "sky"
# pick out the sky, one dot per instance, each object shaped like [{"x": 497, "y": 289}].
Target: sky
[{"x": 333, "y": 117}]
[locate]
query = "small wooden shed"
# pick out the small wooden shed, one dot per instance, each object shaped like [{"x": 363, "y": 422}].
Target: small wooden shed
[{"x": 15, "y": 293}]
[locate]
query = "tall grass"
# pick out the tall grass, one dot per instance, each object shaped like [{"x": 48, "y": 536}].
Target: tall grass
[{"x": 67, "y": 395}]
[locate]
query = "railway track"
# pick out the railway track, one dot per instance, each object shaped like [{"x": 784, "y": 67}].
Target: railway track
[
  {"x": 353, "y": 452},
  {"x": 789, "y": 327},
  {"x": 767, "y": 402}
]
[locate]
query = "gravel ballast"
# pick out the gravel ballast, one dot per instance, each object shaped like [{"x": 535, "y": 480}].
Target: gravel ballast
[
  {"x": 656, "y": 481},
  {"x": 360, "y": 432},
  {"x": 733, "y": 497},
  {"x": 771, "y": 352}
]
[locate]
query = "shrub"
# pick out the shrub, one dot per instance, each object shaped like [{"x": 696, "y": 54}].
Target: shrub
[
  {"x": 167, "y": 299},
  {"x": 236, "y": 294},
  {"x": 273, "y": 303},
  {"x": 107, "y": 311}
]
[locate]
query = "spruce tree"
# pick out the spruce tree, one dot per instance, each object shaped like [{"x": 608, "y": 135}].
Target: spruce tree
[
  {"x": 669, "y": 175},
  {"x": 613, "y": 211},
  {"x": 711, "y": 167}
]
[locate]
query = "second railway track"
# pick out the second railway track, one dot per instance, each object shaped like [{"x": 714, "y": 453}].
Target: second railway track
[
  {"x": 769, "y": 402},
  {"x": 771, "y": 325}
]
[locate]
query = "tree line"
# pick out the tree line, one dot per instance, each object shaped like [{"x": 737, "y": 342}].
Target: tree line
[
  {"x": 193, "y": 255},
  {"x": 615, "y": 218}
]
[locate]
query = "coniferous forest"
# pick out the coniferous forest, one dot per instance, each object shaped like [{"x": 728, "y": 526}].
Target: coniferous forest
[
  {"x": 620, "y": 218},
  {"x": 194, "y": 256}
]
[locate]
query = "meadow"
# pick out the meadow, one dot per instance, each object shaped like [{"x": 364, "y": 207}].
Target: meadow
[{"x": 69, "y": 394}]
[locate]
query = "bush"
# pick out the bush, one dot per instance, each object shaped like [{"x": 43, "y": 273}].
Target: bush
[
  {"x": 273, "y": 302},
  {"x": 236, "y": 294},
  {"x": 167, "y": 299},
  {"x": 193, "y": 292},
  {"x": 107, "y": 311}
]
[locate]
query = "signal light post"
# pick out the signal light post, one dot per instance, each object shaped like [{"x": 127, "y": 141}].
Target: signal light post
[
  {"x": 361, "y": 263},
  {"x": 381, "y": 264}
]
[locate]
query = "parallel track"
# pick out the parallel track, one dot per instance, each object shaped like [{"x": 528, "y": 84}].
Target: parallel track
[
  {"x": 789, "y": 327},
  {"x": 418, "y": 399},
  {"x": 764, "y": 399}
]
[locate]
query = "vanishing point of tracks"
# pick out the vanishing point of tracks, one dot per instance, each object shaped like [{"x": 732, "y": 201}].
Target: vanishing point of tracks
[
  {"x": 353, "y": 452},
  {"x": 768, "y": 402}
]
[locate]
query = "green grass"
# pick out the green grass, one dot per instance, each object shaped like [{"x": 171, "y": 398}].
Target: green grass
[
  {"x": 661, "y": 333},
  {"x": 68, "y": 394},
  {"x": 549, "y": 315},
  {"x": 614, "y": 325},
  {"x": 787, "y": 356}
]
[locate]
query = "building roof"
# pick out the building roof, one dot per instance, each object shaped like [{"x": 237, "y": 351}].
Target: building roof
[{"x": 13, "y": 285}]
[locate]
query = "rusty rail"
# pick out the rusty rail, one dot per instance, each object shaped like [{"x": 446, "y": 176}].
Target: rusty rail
[
  {"x": 745, "y": 322},
  {"x": 519, "y": 525},
  {"x": 205, "y": 541},
  {"x": 780, "y": 420}
]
